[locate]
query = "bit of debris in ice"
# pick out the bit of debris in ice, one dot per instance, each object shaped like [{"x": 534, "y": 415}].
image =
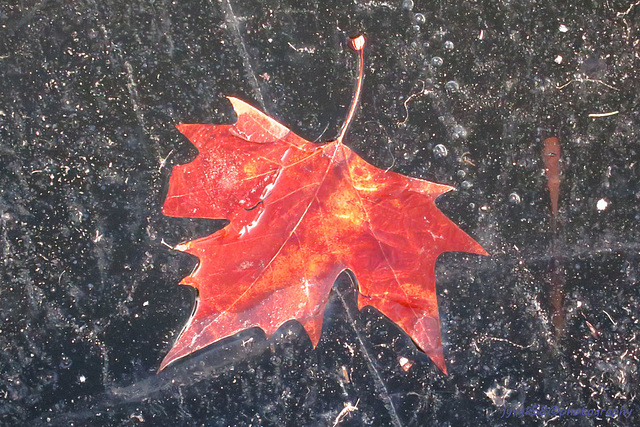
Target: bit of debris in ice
[
  {"x": 405, "y": 363},
  {"x": 602, "y": 204},
  {"x": 348, "y": 408}
]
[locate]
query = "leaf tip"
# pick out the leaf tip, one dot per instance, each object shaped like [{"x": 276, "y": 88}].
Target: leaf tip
[
  {"x": 474, "y": 247},
  {"x": 255, "y": 126},
  {"x": 239, "y": 106},
  {"x": 443, "y": 188},
  {"x": 481, "y": 251},
  {"x": 437, "y": 357}
]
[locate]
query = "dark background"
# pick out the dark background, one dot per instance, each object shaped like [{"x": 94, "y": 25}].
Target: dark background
[{"x": 89, "y": 304}]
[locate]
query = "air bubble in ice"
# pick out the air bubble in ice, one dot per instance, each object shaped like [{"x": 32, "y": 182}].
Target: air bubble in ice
[
  {"x": 420, "y": 19},
  {"x": 65, "y": 362},
  {"x": 452, "y": 86},
  {"x": 407, "y": 4},
  {"x": 459, "y": 132},
  {"x": 514, "y": 198},
  {"x": 440, "y": 151},
  {"x": 436, "y": 61},
  {"x": 449, "y": 45}
]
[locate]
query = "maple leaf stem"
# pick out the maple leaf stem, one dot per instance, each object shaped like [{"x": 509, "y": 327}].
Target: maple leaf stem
[{"x": 357, "y": 44}]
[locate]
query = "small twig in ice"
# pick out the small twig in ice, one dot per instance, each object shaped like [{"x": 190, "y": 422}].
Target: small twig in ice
[
  {"x": 464, "y": 158},
  {"x": 610, "y": 318},
  {"x": 167, "y": 245},
  {"x": 406, "y": 101},
  {"x": 608, "y": 114},
  {"x": 303, "y": 49},
  {"x": 322, "y": 134},
  {"x": 348, "y": 408},
  {"x": 163, "y": 162},
  {"x": 520, "y": 346},
  {"x": 628, "y": 11},
  {"x": 389, "y": 143},
  {"x": 560, "y": 87},
  {"x": 393, "y": 162}
]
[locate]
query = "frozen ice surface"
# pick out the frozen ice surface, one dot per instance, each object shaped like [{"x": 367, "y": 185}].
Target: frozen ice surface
[{"x": 89, "y": 301}]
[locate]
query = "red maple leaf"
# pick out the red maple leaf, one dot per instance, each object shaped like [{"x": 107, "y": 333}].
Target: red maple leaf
[{"x": 301, "y": 213}]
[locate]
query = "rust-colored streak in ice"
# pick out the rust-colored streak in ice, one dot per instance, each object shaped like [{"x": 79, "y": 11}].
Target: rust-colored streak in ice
[
  {"x": 551, "y": 157},
  {"x": 300, "y": 213}
]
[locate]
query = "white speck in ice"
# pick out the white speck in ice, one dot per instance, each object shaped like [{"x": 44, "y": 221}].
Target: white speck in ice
[
  {"x": 563, "y": 28},
  {"x": 602, "y": 204},
  {"x": 558, "y": 59}
]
